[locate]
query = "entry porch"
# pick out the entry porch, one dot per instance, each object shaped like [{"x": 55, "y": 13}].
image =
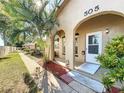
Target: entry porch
[
  {"x": 88, "y": 39},
  {"x": 96, "y": 76},
  {"x": 64, "y": 62}
]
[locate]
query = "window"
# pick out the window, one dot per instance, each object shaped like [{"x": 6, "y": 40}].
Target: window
[
  {"x": 93, "y": 46},
  {"x": 93, "y": 39}
]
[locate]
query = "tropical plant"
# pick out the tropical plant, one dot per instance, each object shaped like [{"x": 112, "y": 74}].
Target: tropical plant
[
  {"x": 41, "y": 43},
  {"x": 27, "y": 11},
  {"x": 50, "y": 27},
  {"x": 21, "y": 10},
  {"x": 28, "y": 80},
  {"x": 4, "y": 27},
  {"x": 18, "y": 35},
  {"x": 113, "y": 58}
]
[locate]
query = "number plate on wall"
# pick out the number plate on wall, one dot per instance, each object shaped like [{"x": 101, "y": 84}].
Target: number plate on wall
[{"x": 91, "y": 10}]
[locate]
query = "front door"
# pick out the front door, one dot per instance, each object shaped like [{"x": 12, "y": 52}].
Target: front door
[{"x": 93, "y": 46}]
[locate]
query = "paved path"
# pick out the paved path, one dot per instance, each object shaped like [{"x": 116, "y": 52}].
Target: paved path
[
  {"x": 29, "y": 63},
  {"x": 51, "y": 84}
]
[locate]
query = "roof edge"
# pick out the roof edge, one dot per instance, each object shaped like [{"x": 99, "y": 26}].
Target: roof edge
[{"x": 61, "y": 7}]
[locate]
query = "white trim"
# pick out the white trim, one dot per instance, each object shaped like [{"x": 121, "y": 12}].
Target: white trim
[{"x": 100, "y": 47}]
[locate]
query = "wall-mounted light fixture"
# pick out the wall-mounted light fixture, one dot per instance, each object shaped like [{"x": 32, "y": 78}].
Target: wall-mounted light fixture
[
  {"x": 76, "y": 34},
  {"x": 107, "y": 31}
]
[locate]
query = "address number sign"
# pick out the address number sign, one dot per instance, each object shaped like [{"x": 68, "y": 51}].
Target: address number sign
[{"x": 91, "y": 10}]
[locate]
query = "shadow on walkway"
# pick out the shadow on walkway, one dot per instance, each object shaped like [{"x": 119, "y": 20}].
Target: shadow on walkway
[{"x": 46, "y": 85}]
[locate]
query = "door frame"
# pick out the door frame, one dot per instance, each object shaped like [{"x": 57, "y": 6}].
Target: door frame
[{"x": 100, "y": 43}]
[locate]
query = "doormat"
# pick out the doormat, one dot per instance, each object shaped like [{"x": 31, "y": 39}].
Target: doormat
[{"x": 89, "y": 68}]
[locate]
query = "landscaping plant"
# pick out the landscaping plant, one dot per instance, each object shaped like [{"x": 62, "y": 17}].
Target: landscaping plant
[
  {"x": 108, "y": 82},
  {"x": 113, "y": 59},
  {"x": 30, "y": 82}
]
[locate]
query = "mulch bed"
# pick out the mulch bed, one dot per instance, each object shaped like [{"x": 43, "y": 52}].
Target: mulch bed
[
  {"x": 58, "y": 70},
  {"x": 115, "y": 90}
]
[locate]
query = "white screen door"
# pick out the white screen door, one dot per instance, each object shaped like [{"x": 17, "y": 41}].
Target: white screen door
[{"x": 93, "y": 46}]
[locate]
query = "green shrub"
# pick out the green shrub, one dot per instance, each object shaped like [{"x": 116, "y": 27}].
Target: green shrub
[
  {"x": 30, "y": 82},
  {"x": 108, "y": 82},
  {"x": 113, "y": 58},
  {"x": 26, "y": 49}
]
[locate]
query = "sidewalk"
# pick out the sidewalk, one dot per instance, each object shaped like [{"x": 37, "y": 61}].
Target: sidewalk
[
  {"x": 49, "y": 83},
  {"x": 29, "y": 63}
]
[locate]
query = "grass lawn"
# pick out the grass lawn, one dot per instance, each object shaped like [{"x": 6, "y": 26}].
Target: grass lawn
[{"x": 11, "y": 72}]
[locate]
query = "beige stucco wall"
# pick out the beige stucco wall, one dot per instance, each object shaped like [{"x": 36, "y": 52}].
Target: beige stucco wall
[
  {"x": 73, "y": 12},
  {"x": 59, "y": 51},
  {"x": 61, "y": 55},
  {"x": 114, "y": 23},
  {"x": 72, "y": 16}
]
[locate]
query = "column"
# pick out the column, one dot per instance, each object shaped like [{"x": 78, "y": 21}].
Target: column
[{"x": 69, "y": 53}]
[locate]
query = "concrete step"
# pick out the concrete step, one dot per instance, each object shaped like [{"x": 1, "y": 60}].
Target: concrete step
[{"x": 88, "y": 82}]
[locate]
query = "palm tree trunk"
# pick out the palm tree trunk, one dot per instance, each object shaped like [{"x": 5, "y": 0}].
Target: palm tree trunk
[
  {"x": 18, "y": 40},
  {"x": 4, "y": 38},
  {"x": 24, "y": 37},
  {"x": 51, "y": 47}
]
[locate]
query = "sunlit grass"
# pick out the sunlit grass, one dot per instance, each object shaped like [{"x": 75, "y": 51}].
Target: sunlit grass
[{"x": 11, "y": 71}]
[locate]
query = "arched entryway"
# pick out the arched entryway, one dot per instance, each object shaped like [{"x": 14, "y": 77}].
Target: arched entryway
[
  {"x": 94, "y": 33},
  {"x": 59, "y": 46}
]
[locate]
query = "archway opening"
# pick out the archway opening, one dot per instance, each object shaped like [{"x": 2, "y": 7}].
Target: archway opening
[
  {"x": 94, "y": 33},
  {"x": 59, "y": 46}
]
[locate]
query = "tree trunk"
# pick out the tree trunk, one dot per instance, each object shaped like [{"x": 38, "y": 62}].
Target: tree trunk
[
  {"x": 24, "y": 37},
  {"x": 4, "y": 38},
  {"x": 51, "y": 47},
  {"x": 18, "y": 40}
]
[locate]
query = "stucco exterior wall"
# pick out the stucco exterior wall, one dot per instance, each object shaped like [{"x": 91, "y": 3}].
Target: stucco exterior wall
[
  {"x": 72, "y": 16},
  {"x": 60, "y": 34},
  {"x": 114, "y": 23},
  {"x": 61, "y": 55},
  {"x": 73, "y": 13}
]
